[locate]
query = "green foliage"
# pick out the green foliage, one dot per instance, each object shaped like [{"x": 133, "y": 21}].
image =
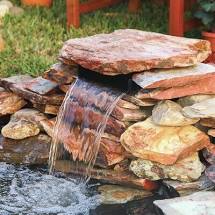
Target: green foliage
[
  {"x": 206, "y": 13},
  {"x": 33, "y": 39}
]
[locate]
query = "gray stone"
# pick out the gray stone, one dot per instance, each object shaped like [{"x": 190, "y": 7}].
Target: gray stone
[{"x": 169, "y": 113}]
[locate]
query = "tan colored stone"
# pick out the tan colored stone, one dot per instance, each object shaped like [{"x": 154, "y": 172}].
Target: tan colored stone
[
  {"x": 208, "y": 122},
  {"x": 204, "y": 109},
  {"x": 166, "y": 78},
  {"x": 191, "y": 100},
  {"x": 211, "y": 132},
  {"x": 126, "y": 51},
  {"x": 169, "y": 113},
  {"x": 48, "y": 126},
  {"x": 10, "y": 103},
  {"x": 163, "y": 144},
  {"x": 186, "y": 170},
  {"x": 114, "y": 194},
  {"x": 204, "y": 86},
  {"x": 20, "y": 129}
]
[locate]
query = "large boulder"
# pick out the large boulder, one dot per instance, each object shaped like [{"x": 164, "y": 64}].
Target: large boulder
[
  {"x": 129, "y": 50},
  {"x": 186, "y": 170},
  {"x": 163, "y": 144},
  {"x": 169, "y": 113}
]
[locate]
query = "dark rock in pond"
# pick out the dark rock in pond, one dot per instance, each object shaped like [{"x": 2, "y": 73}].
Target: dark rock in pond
[
  {"x": 62, "y": 73},
  {"x": 40, "y": 85},
  {"x": 32, "y": 150},
  {"x": 16, "y": 84},
  {"x": 166, "y": 78},
  {"x": 129, "y": 50},
  {"x": 209, "y": 156}
]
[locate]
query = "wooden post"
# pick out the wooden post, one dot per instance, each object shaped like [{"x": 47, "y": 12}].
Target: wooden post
[
  {"x": 73, "y": 13},
  {"x": 176, "y": 17},
  {"x": 134, "y": 5}
]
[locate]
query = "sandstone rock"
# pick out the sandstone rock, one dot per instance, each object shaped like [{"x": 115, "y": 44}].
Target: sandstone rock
[
  {"x": 211, "y": 132},
  {"x": 127, "y": 105},
  {"x": 65, "y": 87},
  {"x": 40, "y": 85},
  {"x": 204, "y": 109},
  {"x": 16, "y": 11},
  {"x": 10, "y": 103},
  {"x": 127, "y": 51},
  {"x": 141, "y": 103},
  {"x": 208, "y": 122},
  {"x": 48, "y": 109},
  {"x": 31, "y": 115},
  {"x": 205, "y": 86},
  {"x": 191, "y": 100},
  {"x": 163, "y": 144},
  {"x": 166, "y": 78},
  {"x": 169, "y": 113},
  {"x": 186, "y": 170},
  {"x": 48, "y": 126},
  {"x": 195, "y": 204},
  {"x": 32, "y": 150},
  {"x": 20, "y": 129},
  {"x": 124, "y": 114},
  {"x": 61, "y": 73},
  {"x": 113, "y": 194}
]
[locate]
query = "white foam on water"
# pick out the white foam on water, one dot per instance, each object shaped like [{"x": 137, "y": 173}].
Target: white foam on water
[{"x": 33, "y": 193}]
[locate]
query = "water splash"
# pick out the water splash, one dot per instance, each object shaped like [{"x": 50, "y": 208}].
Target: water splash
[
  {"x": 81, "y": 123},
  {"x": 27, "y": 192}
]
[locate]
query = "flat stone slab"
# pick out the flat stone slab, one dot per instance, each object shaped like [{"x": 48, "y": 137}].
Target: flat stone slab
[
  {"x": 166, "y": 78},
  {"x": 195, "y": 204},
  {"x": 163, "y": 144},
  {"x": 204, "y": 86},
  {"x": 40, "y": 85},
  {"x": 127, "y": 51}
]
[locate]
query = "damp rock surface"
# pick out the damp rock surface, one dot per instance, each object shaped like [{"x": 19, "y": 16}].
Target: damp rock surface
[{"x": 129, "y": 50}]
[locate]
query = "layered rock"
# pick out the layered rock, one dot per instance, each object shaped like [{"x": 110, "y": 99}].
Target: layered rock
[
  {"x": 204, "y": 109},
  {"x": 208, "y": 122},
  {"x": 127, "y": 51},
  {"x": 163, "y": 144},
  {"x": 166, "y": 78},
  {"x": 204, "y": 86},
  {"x": 186, "y": 170},
  {"x": 10, "y": 103},
  {"x": 169, "y": 113}
]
